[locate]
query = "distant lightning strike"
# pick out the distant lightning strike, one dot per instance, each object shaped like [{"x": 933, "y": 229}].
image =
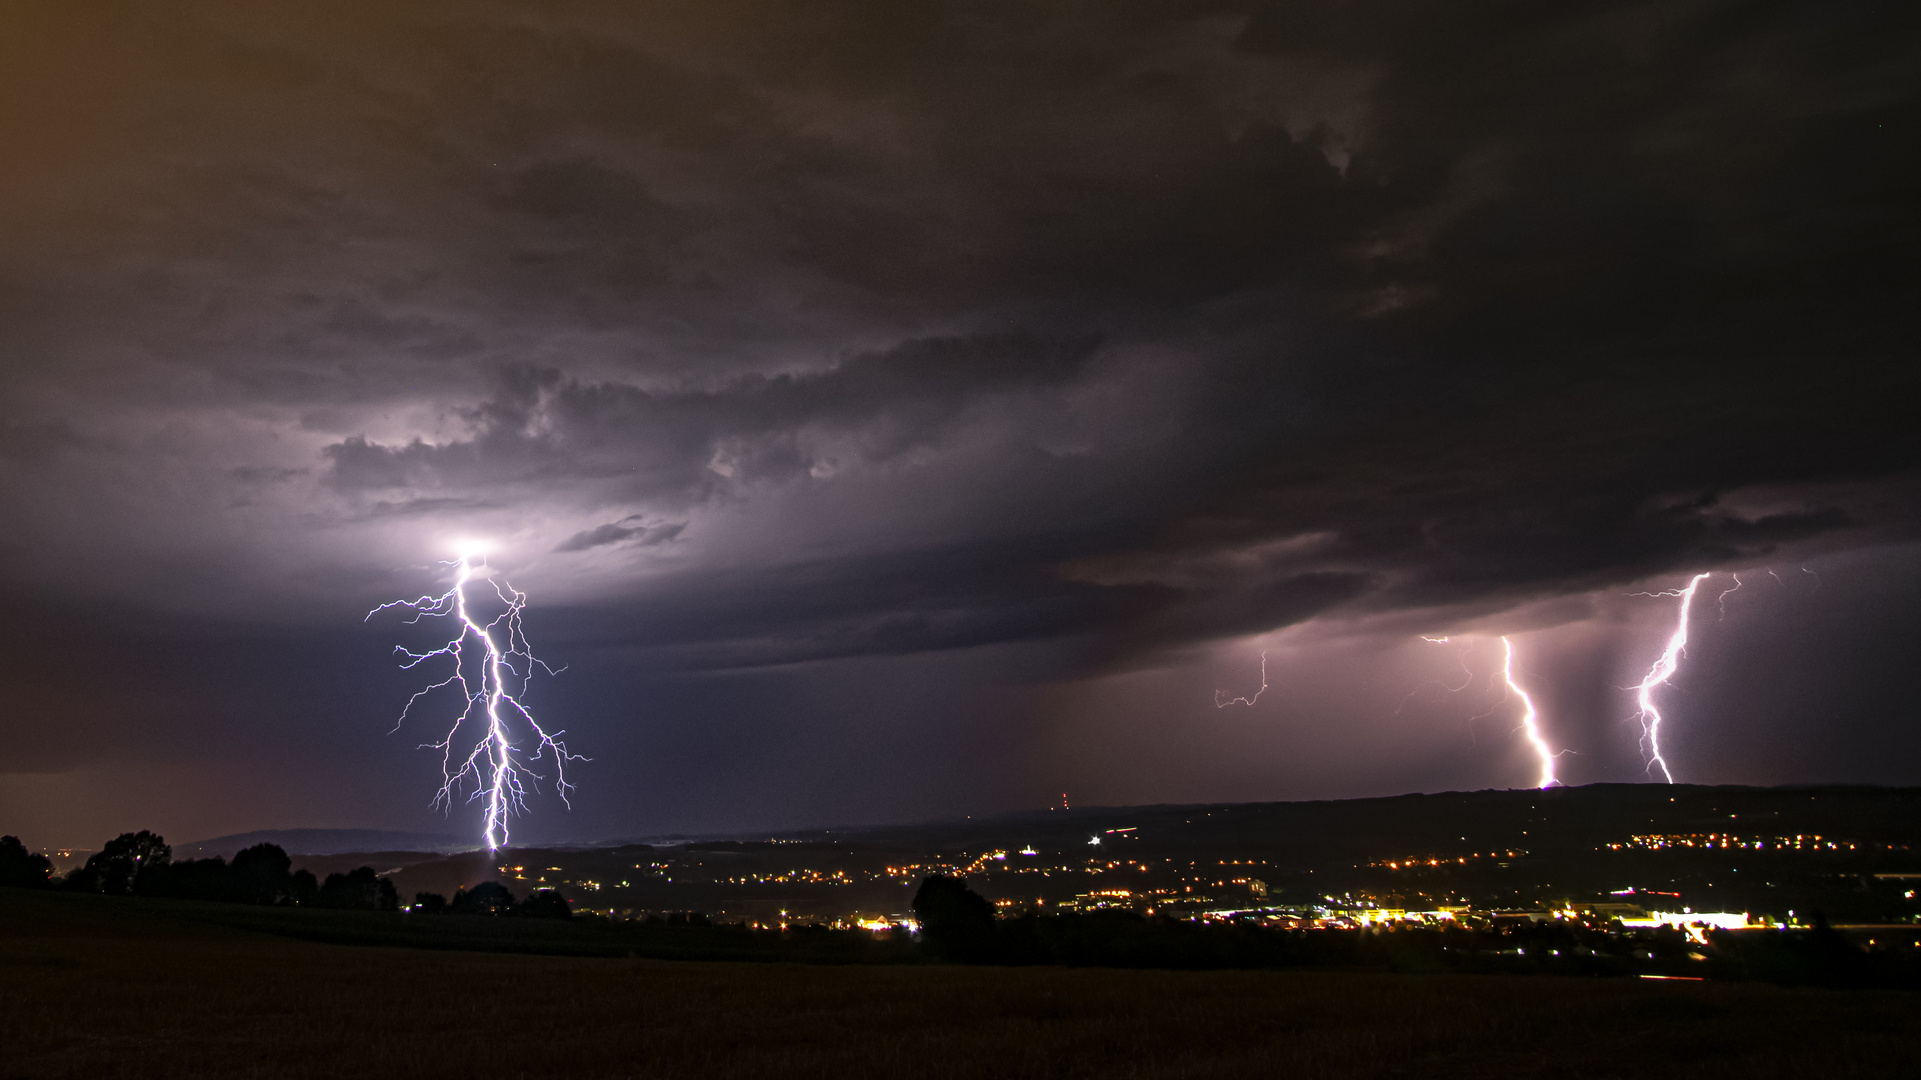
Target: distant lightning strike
[
  {"x": 1222, "y": 701},
  {"x": 1660, "y": 673},
  {"x": 483, "y": 682},
  {"x": 1530, "y": 718},
  {"x": 1721, "y": 601},
  {"x": 1465, "y": 683}
]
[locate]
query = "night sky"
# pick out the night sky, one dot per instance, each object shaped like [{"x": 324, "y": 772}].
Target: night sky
[{"x": 902, "y": 411}]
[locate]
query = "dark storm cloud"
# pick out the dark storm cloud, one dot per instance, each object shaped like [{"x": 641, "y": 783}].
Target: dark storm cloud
[
  {"x": 1497, "y": 300},
  {"x": 538, "y": 425},
  {"x": 955, "y": 598},
  {"x": 615, "y": 532},
  {"x": 777, "y": 332}
]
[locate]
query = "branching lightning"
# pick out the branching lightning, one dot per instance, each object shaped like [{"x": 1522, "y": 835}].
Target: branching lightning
[
  {"x": 1221, "y": 701},
  {"x": 1721, "y": 601},
  {"x": 1530, "y": 717},
  {"x": 1661, "y": 672},
  {"x": 1465, "y": 683},
  {"x": 487, "y": 684}
]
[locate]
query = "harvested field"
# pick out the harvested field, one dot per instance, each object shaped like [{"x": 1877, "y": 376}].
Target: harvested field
[{"x": 106, "y": 987}]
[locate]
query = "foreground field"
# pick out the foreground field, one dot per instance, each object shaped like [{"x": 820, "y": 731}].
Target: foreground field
[{"x": 106, "y": 987}]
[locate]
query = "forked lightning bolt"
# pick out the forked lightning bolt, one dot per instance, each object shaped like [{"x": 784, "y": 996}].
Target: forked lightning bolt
[
  {"x": 1222, "y": 701},
  {"x": 1661, "y": 672},
  {"x": 1465, "y": 683},
  {"x": 489, "y": 682},
  {"x": 1721, "y": 601},
  {"x": 1530, "y": 718}
]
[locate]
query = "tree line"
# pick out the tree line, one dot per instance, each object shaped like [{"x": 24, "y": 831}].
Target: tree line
[
  {"x": 142, "y": 864},
  {"x": 492, "y": 898}
]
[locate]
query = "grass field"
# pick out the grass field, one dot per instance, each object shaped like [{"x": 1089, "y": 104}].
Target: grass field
[{"x": 107, "y": 987}]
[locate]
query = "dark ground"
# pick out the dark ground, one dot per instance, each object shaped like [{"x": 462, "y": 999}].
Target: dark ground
[{"x": 108, "y": 987}]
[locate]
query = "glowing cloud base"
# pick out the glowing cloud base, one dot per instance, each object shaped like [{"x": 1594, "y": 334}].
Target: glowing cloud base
[{"x": 492, "y": 665}]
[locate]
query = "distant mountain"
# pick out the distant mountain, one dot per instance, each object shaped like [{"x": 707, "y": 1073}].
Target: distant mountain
[
  {"x": 324, "y": 842},
  {"x": 1575, "y": 819}
]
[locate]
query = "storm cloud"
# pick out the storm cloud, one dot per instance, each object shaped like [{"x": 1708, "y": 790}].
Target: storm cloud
[{"x": 764, "y": 334}]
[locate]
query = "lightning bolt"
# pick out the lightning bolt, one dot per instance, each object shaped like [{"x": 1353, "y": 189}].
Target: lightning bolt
[
  {"x": 1222, "y": 702},
  {"x": 1661, "y": 672},
  {"x": 1465, "y": 683},
  {"x": 1530, "y": 717},
  {"x": 1721, "y": 601},
  {"x": 490, "y": 683}
]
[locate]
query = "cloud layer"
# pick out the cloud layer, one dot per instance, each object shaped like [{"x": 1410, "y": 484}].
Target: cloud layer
[{"x": 762, "y": 333}]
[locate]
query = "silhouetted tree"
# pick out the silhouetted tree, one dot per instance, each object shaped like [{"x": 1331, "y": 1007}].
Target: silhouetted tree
[
  {"x": 545, "y": 904},
  {"x": 1830, "y": 959},
  {"x": 359, "y": 890},
  {"x": 118, "y": 867},
  {"x": 955, "y": 920},
  {"x": 429, "y": 903},
  {"x": 21, "y": 868},
  {"x": 302, "y": 888},
  {"x": 190, "y": 879},
  {"x": 262, "y": 874},
  {"x": 486, "y": 898},
  {"x": 349, "y": 890}
]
